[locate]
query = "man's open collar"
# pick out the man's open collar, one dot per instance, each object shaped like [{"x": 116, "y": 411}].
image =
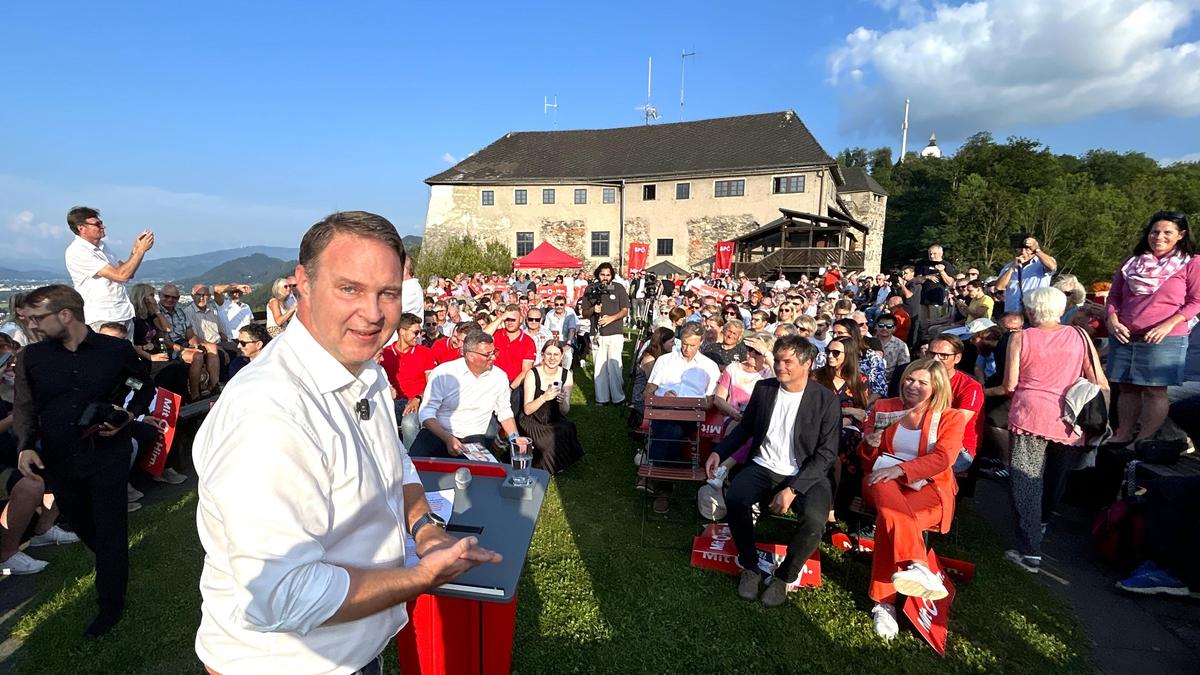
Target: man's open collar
[{"x": 327, "y": 373}]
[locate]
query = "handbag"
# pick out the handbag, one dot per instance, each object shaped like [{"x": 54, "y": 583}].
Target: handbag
[
  {"x": 1119, "y": 531},
  {"x": 1092, "y": 416}
]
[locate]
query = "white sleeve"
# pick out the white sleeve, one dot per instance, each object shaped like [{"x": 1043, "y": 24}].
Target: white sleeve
[
  {"x": 268, "y": 491},
  {"x": 82, "y": 263},
  {"x": 431, "y": 398},
  {"x": 654, "y": 372}
]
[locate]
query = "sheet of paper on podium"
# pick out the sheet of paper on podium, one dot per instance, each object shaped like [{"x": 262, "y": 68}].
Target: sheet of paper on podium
[
  {"x": 441, "y": 502},
  {"x": 475, "y": 452}
]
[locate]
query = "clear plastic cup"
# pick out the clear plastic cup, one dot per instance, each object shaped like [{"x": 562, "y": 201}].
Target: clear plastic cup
[{"x": 520, "y": 452}]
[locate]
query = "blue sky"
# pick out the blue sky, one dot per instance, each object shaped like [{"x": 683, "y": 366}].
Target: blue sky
[{"x": 220, "y": 124}]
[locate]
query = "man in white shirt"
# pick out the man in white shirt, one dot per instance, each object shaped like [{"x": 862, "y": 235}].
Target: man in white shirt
[
  {"x": 563, "y": 324},
  {"x": 795, "y": 426},
  {"x": 460, "y": 399},
  {"x": 234, "y": 313},
  {"x": 782, "y": 284},
  {"x": 686, "y": 373},
  {"x": 97, "y": 274},
  {"x": 303, "y": 503},
  {"x": 413, "y": 295}
]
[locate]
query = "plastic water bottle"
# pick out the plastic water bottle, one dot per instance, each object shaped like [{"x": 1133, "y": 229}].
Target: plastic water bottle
[{"x": 718, "y": 478}]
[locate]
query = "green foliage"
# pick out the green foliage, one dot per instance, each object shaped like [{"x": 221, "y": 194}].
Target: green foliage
[
  {"x": 1086, "y": 211},
  {"x": 464, "y": 254}
]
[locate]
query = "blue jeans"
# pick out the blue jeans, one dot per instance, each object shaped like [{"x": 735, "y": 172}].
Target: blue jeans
[{"x": 409, "y": 424}]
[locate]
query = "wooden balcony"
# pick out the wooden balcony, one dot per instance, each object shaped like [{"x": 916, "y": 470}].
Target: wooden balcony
[{"x": 806, "y": 260}]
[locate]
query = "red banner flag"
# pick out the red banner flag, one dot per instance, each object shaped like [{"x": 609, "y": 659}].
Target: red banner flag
[
  {"x": 637, "y": 257},
  {"x": 723, "y": 262},
  {"x": 931, "y": 618},
  {"x": 164, "y": 415},
  {"x": 714, "y": 550}
]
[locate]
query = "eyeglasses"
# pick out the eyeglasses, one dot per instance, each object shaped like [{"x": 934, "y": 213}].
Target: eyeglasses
[
  {"x": 558, "y": 306},
  {"x": 98, "y": 223},
  {"x": 290, "y": 286},
  {"x": 533, "y": 319},
  {"x": 37, "y": 318},
  {"x": 486, "y": 355},
  {"x": 862, "y": 324},
  {"x": 510, "y": 320},
  {"x": 942, "y": 356}
]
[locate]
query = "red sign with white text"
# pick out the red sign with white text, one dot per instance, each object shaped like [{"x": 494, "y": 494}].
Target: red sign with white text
[
  {"x": 931, "y": 618},
  {"x": 163, "y": 415},
  {"x": 723, "y": 262},
  {"x": 714, "y": 550},
  {"x": 638, "y": 252}
]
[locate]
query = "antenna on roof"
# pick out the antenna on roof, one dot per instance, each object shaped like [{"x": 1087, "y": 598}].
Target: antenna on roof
[
  {"x": 682, "y": 71},
  {"x": 649, "y": 112},
  {"x": 547, "y": 106}
]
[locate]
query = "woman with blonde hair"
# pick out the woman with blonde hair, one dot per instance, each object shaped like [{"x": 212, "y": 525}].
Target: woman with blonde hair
[
  {"x": 910, "y": 442},
  {"x": 278, "y": 315}
]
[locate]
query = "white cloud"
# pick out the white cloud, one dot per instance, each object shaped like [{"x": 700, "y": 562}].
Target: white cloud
[
  {"x": 27, "y": 236},
  {"x": 449, "y": 158},
  {"x": 1190, "y": 157},
  {"x": 996, "y": 64}
]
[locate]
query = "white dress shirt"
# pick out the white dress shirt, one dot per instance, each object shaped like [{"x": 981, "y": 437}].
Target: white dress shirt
[
  {"x": 235, "y": 315},
  {"x": 694, "y": 378},
  {"x": 103, "y": 299},
  {"x": 412, "y": 298},
  {"x": 462, "y": 403},
  {"x": 294, "y": 487}
]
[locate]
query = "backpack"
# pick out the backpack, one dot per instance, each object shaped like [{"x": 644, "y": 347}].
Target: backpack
[{"x": 1119, "y": 531}]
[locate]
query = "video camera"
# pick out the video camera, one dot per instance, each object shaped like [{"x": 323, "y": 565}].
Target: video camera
[
  {"x": 110, "y": 412},
  {"x": 650, "y": 279},
  {"x": 594, "y": 293},
  {"x": 1017, "y": 241}
]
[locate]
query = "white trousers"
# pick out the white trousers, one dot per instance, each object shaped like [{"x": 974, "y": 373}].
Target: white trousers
[{"x": 610, "y": 385}]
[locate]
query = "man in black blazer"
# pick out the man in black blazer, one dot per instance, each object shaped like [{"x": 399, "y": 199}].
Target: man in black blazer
[{"x": 794, "y": 424}]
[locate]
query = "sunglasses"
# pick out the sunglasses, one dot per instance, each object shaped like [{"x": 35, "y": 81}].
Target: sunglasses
[
  {"x": 533, "y": 320},
  {"x": 245, "y": 342},
  {"x": 884, "y": 326},
  {"x": 835, "y": 352}
]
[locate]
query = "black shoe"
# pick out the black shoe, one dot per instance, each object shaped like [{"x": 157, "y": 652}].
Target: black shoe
[{"x": 102, "y": 624}]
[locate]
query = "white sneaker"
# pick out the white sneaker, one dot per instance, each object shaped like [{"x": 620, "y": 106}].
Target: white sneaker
[
  {"x": 885, "y": 621},
  {"x": 22, "y": 563},
  {"x": 171, "y": 476},
  {"x": 132, "y": 506},
  {"x": 918, "y": 582},
  {"x": 132, "y": 494},
  {"x": 54, "y": 537}
]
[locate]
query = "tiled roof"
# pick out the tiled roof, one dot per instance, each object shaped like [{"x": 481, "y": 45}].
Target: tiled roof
[
  {"x": 723, "y": 145},
  {"x": 858, "y": 180}
]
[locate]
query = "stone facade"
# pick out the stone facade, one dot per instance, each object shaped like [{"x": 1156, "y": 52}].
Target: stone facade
[
  {"x": 687, "y": 222},
  {"x": 870, "y": 209}
]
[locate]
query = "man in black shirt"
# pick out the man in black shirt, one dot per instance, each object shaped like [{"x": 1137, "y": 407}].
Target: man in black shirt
[
  {"x": 86, "y": 467},
  {"x": 607, "y": 321},
  {"x": 937, "y": 276}
]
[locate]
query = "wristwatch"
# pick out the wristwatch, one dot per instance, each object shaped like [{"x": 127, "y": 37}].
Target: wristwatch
[{"x": 429, "y": 517}]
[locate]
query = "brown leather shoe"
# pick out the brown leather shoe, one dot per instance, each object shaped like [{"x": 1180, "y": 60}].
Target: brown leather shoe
[
  {"x": 748, "y": 585},
  {"x": 775, "y": 594}
]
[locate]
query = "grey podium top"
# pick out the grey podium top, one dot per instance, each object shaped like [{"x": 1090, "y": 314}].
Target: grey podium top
[{"x": 502, "y": 524}]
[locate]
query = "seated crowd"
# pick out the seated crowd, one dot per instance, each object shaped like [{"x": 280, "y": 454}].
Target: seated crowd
[{"x": 897, "y": 389}]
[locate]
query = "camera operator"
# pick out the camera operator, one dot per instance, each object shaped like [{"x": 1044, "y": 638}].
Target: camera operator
[
  {"x": 1032, "y": 267},
  {"x": 607, "y": 304},
  {"x": 69, "y": 425}
]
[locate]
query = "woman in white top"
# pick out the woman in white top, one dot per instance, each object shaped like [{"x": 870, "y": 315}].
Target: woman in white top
[{"x": 277, "y": 314}]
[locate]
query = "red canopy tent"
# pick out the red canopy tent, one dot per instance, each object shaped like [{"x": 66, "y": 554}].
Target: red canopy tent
[{"x": 546, "y": 256}]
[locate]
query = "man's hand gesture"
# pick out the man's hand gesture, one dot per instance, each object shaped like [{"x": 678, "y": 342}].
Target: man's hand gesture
[
  {"x": 446, "y": 561},
  {"x": 27, "y": 460},
  {"x": 782, "y": 502}
]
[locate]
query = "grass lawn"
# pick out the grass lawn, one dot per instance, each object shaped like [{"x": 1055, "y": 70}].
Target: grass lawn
[{"x": 594, "y": 599}]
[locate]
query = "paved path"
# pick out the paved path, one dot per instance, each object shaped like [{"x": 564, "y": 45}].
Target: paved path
[{"x": 1130, "y": 634}]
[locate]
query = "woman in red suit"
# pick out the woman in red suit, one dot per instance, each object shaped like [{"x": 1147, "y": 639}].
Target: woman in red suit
[{"x": 911, "y": 443}]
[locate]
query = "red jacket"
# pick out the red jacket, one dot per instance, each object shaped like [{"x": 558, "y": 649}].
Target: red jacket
[{"x": 934, "y": 464}]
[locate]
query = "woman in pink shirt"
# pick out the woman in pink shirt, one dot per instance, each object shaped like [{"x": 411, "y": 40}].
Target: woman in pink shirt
[
  {"x": 1154, "y": 295},
  {"x": 1043, "y": 362}
]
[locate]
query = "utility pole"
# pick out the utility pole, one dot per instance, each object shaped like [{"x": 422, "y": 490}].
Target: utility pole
[{"x": 904, "y": 133}]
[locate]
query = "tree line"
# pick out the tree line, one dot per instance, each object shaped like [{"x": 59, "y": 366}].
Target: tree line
[{"x": 1087, "y": 211}]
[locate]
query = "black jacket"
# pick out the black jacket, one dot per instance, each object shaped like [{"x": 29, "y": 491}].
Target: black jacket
[{"x": 814, "y": 437}]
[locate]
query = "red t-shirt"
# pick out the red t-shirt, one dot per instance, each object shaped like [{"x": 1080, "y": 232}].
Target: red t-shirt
[
  {"x": 406, "y": 372},
  {"x": 443, "y": 352},
  {"x": 903, "y": 323},
  {"x": 967, "y": 394},
  {"x": 511, "y": 353},
  {"x": 830, "y": 282}
]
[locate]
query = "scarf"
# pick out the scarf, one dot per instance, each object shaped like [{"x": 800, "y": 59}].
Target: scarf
[{"x": 1146, "y": 272}]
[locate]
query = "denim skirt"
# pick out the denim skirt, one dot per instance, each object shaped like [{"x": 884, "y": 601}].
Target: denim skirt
[{"x": 1146, "y": 364}]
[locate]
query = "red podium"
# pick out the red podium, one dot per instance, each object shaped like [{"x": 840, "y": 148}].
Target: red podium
[{"x": 467, "y": 626}]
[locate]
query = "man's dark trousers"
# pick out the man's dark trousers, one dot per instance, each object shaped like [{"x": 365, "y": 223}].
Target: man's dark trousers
[
  {"x": 89, "y": 488},
  {"x": 755, "y": 484}
]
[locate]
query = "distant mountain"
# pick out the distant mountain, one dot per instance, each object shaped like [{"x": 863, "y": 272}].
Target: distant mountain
[
  {"x": 253, "y": 269},
  {"x": 9, "y": 274},
  {"x": 412, "y": 240},
  {"x": 163, "y": 269}
]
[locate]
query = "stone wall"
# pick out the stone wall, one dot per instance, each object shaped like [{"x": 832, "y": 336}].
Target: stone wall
[
  {"x": 704, "y": 233},
  {"x": 869, "y": 209}
]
